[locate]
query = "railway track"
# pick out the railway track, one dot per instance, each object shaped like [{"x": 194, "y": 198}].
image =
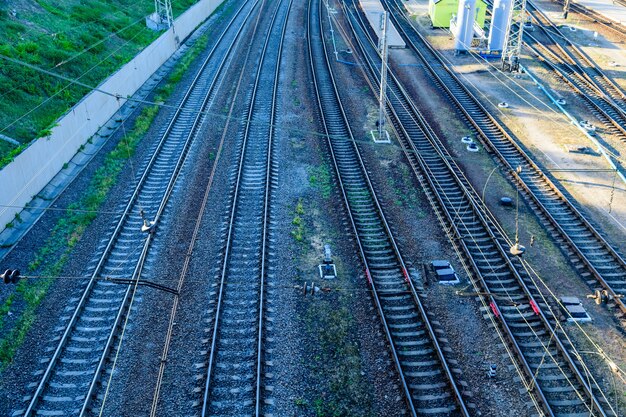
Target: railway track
[
  {"x": 611, "y": 118},
  {"x": 597, "y": 17},
  {"x": 427, "y": 378},
  {"x": 603, "y": 97},
  {"x": 598, "y": 263},
  {"x": 234, "y": 378},
  {"x": 73, "y": 374},
  {"x": 551, "y": 376},
  {"x": 588, "y": 69}
]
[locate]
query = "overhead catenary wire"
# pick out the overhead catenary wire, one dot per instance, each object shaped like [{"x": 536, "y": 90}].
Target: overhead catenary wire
[
  {"x": 558, "y": 301},
  {"x": 197, "y": 125},
  {"x": 70, "y": 80},
  {"x": 61, "y": 148},
  {"x": 513, "y": 80},
  {"x": 492, "y": 268},
  {"x": 72, "y": 28},
  {"x": 147, "y": 102},
  {"x": 215, "y": 114}
]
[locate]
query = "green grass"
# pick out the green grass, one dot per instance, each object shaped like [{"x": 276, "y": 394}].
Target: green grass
[
  {"x": 406, "y": 195},
  {"x": 337, "y": 363},
  {"x": 335, "y": 366},
  {"x": 320, "y": 178},
  {"x": 298, "y": 231},
  {"x": 67, "y": 233},
  {"x": 87, "y": 39}
]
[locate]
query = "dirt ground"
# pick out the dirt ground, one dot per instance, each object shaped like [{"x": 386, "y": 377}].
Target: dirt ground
[
  {"x": 548, "y": 135},
  {"x": 540, "y": 125}
]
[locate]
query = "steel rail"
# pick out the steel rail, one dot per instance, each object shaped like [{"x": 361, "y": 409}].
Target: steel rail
[
  {"x": 612, "y": 118},
  {"x": 426, "y": 154},
  {"x": 546, "y": 199},
  {"x": 590, "y": 71},
  {"x": 331, "y": 107},
  {"x": 599, "y": 99},
  {"x": 248, "y": 136},
  {"x": 114, "y": 238},
  {"x": 597, "y": 17}
]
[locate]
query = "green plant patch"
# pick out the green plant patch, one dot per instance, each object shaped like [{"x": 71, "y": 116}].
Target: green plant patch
[
  {"x": 298, "y": 222},
  {"x": 87, "y": 40},
  {"x": 66, "y": 234},
  {"x": 320, "y": 178},
  {"x": 337, "y": 363}
]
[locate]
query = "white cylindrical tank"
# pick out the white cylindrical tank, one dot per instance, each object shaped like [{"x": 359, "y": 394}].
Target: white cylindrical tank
[
  {"x": 465, "y": 24},
  {"x": 499, "y": 24}
]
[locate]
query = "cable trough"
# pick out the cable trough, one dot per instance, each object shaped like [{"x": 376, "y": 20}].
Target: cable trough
[
  {"x": 69, "y": 384},
  {"x": 591, "y": 254},
  {"x": 429, "y": 382},
  {"x": 236, "y": 368},
  {"x": 550, "y": 374}
]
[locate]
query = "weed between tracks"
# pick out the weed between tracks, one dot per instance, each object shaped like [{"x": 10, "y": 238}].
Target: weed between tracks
[
  {"x": 298, "y": 222},
  {"x": 319, "y": 177},
  {"x": 406, "y": 195},
  {"x": 52, "y": 257},
  {"x": 335, "y": 362}
]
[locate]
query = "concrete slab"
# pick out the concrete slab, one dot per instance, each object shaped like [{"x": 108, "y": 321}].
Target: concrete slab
[
  {"x": 607, "y": 8},
  {"x": 374, "y": 11}
]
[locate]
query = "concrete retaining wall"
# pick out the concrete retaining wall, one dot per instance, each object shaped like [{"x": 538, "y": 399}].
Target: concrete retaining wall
[{"x": 26, "y": 176}]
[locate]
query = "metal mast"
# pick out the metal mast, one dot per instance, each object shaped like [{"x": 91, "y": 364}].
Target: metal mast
[
  {"x": 566, "y": 9},
  {"x": 163, "y": 9},
  {"x": 514, "y": 33},
  {"x": 382, "y": 45}
]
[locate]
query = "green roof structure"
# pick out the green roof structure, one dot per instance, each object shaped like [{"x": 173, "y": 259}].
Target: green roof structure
[{"x": 441, "y": 12}]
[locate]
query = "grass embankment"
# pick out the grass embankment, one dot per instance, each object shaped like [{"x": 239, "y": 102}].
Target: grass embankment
[
  {"x": 66, "y": 234},
  {"x": 87, "y": 39}
]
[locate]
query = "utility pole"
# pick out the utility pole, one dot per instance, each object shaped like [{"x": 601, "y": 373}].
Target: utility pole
[
  {"x": 514, "y": 34},
  {"x": 382, "y": 46},
  {"x": 566, "y": 9},
  {"x": 163, "y": 9}
]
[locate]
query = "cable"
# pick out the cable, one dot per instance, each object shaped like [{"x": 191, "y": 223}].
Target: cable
[
  {"x": 487, "y": 260},
  {"x": 130, "y": 160},
  {"x": 478, "y": 246},
  {"x": 101, "y": 41},
  {"x": 160, "y": 104},
  {"x": 67, "y": 209},
  {"x": 109, "y": 36},
  {"x": 65, "y": 87},
  {"x": 512, "y": 80},
  {"x": 61, "y": 148}
]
